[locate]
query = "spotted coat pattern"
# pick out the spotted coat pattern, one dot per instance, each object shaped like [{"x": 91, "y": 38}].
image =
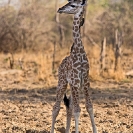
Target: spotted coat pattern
[{"x": 74, "y": 70}]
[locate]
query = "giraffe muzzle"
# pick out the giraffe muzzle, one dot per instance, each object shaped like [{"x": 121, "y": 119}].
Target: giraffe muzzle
[{"x": 60, "y": 10}]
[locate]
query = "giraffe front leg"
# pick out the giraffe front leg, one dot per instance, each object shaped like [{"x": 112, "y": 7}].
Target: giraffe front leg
[
  {"x": 60, "y": 92},
  {"x": 89, "y": 106},
  {"x": 90, "y": 111},
  {"x": 75, "y": 100},
  {"x": 55, "y": 113}
]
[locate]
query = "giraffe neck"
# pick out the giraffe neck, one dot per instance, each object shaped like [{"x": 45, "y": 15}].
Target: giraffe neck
[{"x": 76, "y": 31}]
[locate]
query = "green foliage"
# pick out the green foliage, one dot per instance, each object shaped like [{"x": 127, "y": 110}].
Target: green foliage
[
  {"x": 5, "y": 60},
  {"x": 126, "y": 80},
  {"x": 54, "y": 71},
  {"x": 104, "y": 3}
]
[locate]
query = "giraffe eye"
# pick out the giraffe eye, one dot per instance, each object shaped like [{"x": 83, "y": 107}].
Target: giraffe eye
[{"x": 72, "y": 5}]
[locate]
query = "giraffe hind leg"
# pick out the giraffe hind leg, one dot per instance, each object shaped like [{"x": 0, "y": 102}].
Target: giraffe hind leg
[
  {"x": 69, "y": 107},
  {"x": 89, "y": 106}
]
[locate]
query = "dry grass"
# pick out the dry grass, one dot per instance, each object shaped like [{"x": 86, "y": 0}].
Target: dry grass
[
  {"x": 44, "y": 66},
  {"x": 40, "y": 64},
  {"x": 108, "y": 73}
]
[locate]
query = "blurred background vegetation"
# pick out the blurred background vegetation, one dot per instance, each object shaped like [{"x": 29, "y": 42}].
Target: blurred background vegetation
[{"x": 34, "y": 25}]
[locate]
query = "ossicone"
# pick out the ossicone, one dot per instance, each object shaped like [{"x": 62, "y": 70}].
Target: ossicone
[
  {"x": 73, "y": 0},
  {"x": 83, "y": 1}
]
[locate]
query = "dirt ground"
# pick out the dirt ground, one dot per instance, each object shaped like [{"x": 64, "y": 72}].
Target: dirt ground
[
  {"x": 26, "y": 109},
  {"x": 26, "y": 105}
]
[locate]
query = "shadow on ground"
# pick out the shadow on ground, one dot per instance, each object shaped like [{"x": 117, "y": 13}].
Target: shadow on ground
[{"x": 49, "y": 94}]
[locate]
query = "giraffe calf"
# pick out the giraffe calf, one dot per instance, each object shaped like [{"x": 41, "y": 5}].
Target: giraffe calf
[{"x": 74, "y": 71}]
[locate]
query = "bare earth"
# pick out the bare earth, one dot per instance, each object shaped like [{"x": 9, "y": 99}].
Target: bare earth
[
  {"x": 26, "y": 109},
  {"x": 26, "y": 105}
]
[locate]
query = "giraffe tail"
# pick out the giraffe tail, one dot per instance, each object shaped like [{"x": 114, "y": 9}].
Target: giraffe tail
[{"x": 66, "y": 101}]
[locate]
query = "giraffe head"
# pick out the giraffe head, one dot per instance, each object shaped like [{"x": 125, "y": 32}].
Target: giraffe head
[{"x": 75, "y": 7}]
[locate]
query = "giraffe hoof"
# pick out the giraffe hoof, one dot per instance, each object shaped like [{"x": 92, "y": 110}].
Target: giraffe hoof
[
  {"x": 53, "y": 131},
  {"x": 95, "y": 131}
]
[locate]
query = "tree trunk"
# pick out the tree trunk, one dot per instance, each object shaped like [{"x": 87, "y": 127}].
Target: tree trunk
[
  {"x": 11, "y": 59},
  {"x": 103, "y": 54},
  {"x": 53, "y": 61},
  {"x": 118, "y": 43},
  {"x": 61, "y": 31}
]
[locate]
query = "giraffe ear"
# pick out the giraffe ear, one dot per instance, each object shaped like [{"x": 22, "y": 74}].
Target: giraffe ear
[{"x": 84, "y": 2}]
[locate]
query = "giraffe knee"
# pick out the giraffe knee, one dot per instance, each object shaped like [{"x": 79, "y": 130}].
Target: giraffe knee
[
  {"x": 77, "y": 114},
  {"x": 88, "y": 103},
  {"x": 56, "y": 109},
  {"x": 55, "y": 113},
  {"x": 77, "y": 109},
  {"x": 89, "y": 108}
]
